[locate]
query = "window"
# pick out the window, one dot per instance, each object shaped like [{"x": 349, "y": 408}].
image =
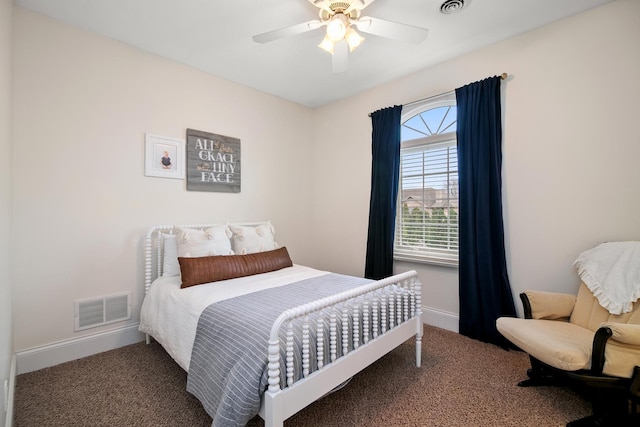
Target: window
[{"x": 427, "y": 215}]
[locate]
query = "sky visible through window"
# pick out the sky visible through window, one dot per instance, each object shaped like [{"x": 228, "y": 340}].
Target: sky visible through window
[
  {"x": 420, "y": 170},
  {"x": 431, "y": 122}
]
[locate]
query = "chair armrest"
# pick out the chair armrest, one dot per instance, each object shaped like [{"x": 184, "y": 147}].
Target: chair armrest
[
  {"x": 547, "y": 305},
  {"x": 597, "y": 352},
  {"x": 627, "y": 333}
]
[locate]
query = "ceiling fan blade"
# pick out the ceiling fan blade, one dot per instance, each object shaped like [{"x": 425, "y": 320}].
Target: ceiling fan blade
[
  {"x": 287, "y": 31},
  {"x": 340, "y": 57},
  {"x": 391, "y": 30},
  {"x": 322, "y": 4}
]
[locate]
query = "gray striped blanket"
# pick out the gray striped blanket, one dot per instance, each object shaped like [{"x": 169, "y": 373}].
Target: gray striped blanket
[{"x": 228, "y": 368}]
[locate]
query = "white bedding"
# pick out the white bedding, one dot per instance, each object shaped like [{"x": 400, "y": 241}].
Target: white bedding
[{"x": 171, "y": 314}]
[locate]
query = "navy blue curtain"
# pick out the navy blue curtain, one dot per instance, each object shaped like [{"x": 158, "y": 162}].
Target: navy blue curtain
[
  {"x": 485, "y": 292},
  {"x": 385, "y": 174}
]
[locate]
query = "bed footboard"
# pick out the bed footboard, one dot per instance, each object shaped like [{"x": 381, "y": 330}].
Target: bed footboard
[{"x": 381, "y": 316}]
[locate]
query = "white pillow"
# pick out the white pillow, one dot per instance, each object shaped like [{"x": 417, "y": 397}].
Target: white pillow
[
  {"x": 249, "y": 239},
  {"x": 193, "y": 243},
  {"x": 170, "y": 265}
]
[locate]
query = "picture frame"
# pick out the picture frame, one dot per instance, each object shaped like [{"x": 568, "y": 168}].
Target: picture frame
[
  {"x": 213, "y": 162},
  {"x": 164, "y": 157}
]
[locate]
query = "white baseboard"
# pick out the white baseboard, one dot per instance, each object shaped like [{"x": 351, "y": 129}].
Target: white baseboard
[
  {"x": 53, "y": 354},
  {"x": 9, "y": 393},
  {"x": 441, "y": 319}
]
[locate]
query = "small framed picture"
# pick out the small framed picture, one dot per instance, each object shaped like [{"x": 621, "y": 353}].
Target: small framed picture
[{"x": 164, "y": 157}]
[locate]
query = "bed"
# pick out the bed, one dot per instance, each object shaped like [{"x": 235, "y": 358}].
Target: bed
[{"x": 258, "y": 334}]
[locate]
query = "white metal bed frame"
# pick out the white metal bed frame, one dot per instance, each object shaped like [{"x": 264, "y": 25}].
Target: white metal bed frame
[{"x": 383, "y": 329}]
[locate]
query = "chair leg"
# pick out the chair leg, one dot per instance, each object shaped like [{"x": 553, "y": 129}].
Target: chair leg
[
  {"x": 610, "y": 403},
  {"x": 607, "y": 412},
  {"x": 606, "y": 401},
  {"x": 540, "y": 375}
]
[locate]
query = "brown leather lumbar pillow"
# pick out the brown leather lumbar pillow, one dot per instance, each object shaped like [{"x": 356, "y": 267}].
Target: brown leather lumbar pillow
[{"x": 196, "y": 271}]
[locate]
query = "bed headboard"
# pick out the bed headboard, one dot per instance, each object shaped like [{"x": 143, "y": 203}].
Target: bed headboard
[{"x": 154, "y": 246}]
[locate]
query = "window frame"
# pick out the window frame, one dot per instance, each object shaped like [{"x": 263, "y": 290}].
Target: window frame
[{"x": 431, "y": 256}]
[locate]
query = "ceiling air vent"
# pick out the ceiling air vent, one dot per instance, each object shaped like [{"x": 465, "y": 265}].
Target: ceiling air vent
[{"x": 452, "y": 6}]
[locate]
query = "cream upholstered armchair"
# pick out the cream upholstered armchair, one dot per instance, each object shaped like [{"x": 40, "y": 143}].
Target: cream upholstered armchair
[{"x": 576, "y": 340}]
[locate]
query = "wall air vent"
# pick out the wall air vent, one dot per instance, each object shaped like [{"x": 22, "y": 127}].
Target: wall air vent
[{"x": 90, "y": 313}]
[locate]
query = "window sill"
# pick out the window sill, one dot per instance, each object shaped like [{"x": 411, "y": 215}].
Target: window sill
[{"x": 430, "y": 261}]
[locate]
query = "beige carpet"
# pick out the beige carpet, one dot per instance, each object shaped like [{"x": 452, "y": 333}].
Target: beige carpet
[{"x": 462, "y": 382}]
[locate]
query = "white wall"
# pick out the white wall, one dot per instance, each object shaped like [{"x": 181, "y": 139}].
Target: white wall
[
  {"x": 81, "y": 202},
  {"x": 570, "y": 151},
  {"x": 6, "y": 340}
]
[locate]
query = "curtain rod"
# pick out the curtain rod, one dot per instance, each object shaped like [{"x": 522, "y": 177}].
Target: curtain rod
[{"x": 503, "y": 76}]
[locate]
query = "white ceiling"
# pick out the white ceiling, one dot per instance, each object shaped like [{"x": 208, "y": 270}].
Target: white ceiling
[{"x": 216, "y": 37}]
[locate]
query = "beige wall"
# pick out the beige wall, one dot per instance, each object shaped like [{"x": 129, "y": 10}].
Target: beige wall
[
  {"x": 6, "y": 344},
  {"x": 571, "y": 150},
  {"x": 81, "y": 201}
]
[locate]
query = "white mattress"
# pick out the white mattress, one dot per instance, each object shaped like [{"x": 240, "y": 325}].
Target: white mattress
[{"x": 171, "y": 314}]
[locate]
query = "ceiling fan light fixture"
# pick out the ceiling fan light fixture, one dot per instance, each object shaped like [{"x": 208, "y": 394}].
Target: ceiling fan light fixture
[
  {"x": 353, "y": 38},
  {"x": 341, "y": 20},
  {"x": 327, "y": 45},
  {"x": 337, "y": 27}
]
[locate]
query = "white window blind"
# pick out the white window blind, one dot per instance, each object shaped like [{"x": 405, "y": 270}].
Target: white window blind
[{"x": 427, "y": 214}]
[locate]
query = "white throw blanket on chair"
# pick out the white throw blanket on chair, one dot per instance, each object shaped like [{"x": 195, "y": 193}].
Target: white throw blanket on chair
[{"x": 612, "y": 272}]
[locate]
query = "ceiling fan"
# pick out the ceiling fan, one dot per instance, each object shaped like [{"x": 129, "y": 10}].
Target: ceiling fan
[{"x": 340, "y": 18}]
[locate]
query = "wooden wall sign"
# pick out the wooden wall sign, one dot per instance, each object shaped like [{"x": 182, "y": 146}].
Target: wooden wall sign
[{"x": 213, "y": 162}]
